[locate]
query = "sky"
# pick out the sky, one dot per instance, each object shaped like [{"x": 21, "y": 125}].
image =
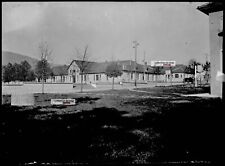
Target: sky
[{"x": 164, "y": 30}]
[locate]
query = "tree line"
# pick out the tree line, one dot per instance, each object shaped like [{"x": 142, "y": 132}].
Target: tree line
[
  {"x": 24, "y": 71},
  {"x": 18, "y": 72}
]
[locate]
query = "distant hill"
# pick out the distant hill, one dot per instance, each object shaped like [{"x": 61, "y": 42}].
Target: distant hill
[{"x": 13, "y": 57}]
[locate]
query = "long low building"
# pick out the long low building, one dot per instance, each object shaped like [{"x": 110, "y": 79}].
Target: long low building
[{"x": 95, "y": 72}]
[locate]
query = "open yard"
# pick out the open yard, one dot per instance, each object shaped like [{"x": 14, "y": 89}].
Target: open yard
[
  {"x": 68, "y": 88},
  {"x": 149, "y": 126}
]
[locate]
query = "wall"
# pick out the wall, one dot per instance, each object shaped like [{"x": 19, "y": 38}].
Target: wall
[
  {"x": 215, "y": 26},
  {"x": 74, "y": 71}
]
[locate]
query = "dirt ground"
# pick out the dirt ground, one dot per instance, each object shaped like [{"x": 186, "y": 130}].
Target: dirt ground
[{"x": 158, "y": 126}]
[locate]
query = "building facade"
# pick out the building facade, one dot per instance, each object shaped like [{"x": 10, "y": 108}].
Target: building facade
[
  {"x": 95, "y": 72},
  {"x": 215, "y": 12}
]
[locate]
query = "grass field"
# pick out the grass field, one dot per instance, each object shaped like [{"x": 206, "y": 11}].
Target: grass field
[{"x": 116, "y": 126}]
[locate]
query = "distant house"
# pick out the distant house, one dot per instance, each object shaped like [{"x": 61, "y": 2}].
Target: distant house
[
  {"x": 179, "y": 72},
  {"x": 215, "y": 12},
  {"x": 176, "y": 73},
  {"x": 144, "y": 73},
  {"x": 93, "y": 71}
]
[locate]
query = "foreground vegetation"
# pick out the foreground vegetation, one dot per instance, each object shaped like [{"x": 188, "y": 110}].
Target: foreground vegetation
[{"x": 116, "y": 126}]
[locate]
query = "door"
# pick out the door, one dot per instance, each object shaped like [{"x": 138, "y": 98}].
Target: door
[{"x": 74, "y": 79}]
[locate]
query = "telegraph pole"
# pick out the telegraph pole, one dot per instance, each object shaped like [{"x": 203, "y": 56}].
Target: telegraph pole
[
  {"x": 144, "y": 67},
  {"x": 196, "y": 84},
  {"x": 135, "y": 49}
]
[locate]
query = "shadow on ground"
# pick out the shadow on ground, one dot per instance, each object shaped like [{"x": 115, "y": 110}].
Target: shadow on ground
[{"x": 177, "y": 132}]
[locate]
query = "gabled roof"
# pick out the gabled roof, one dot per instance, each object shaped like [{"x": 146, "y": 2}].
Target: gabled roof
[
  {"x": 79, "y": 63},
  {"x": 90, "y": 67},
  {"x": 100, "y": 67}
]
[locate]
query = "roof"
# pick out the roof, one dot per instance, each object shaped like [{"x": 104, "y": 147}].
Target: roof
[
  {"x": 129, "y": 65},
  {"x": 60, "y": 70},
  {"x": 90, "y": 67},
  {"x": 211, "y": 7},
  {"x": 179, "y": 68},
  {"x": 97, "y": 68}
]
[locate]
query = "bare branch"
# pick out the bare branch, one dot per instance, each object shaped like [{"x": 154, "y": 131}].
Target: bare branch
[
  {"x": 45, "y": 52},
  {"x": 83, "y": 62},
  {"x": 85, "y": 53},
  {"x": 83, "y": 58}
]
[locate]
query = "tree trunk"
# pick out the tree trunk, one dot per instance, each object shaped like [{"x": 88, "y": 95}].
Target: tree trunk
[
  {"x": 42, "y": 83},
  {"x": 81, "y": 87},
  {"x": 113, "y": 83}
]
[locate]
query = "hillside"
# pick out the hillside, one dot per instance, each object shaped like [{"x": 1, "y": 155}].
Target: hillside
[{"x": 13, "y": 57}]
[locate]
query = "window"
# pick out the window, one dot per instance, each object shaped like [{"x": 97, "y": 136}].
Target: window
[
  {"x": 176, "y": 75},
  {"x": 97, "y": 77}
]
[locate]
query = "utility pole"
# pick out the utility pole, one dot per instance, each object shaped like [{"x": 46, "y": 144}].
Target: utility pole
[
  {"x": 144, "y": 67},
  {"x": 171, "y": 78},
  {"x": 196, "y": 84},
  {"x": 135, "y": 49}
]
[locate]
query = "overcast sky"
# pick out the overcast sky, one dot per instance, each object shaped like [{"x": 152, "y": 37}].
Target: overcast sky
[{"x": 166, "y": 31}]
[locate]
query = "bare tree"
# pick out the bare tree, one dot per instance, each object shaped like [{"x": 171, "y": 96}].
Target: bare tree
[
  {"x": 83, "y": 60},
  {"x": 43, "y": 65}
]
